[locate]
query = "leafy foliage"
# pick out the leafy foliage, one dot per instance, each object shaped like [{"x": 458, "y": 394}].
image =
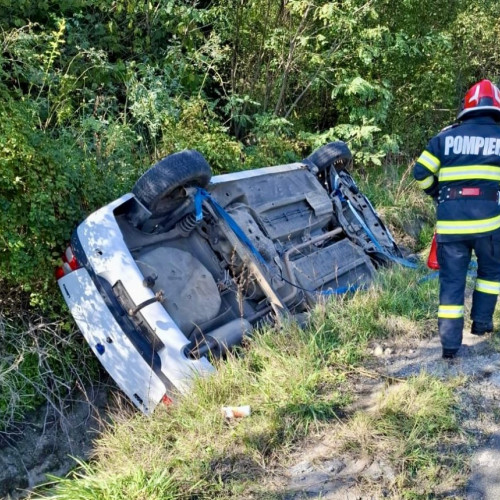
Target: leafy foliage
[
  {"x": 47, "y": 184},
  {"x": 94, "y": 91}
]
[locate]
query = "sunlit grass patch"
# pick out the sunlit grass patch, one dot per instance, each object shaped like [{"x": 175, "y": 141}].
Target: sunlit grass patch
[
  {"x": 403, "y": 292},
  {"x": 400, "y": 203},
  {"x": 415, "y": 427},
  {"x": 156, "y": 485},
  {"x": 397, "y": 304},
  {"x": 282, "y": 375}
]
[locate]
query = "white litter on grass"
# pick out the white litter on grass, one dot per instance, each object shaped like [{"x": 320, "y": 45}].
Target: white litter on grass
[{"x": 235, "y": 411}]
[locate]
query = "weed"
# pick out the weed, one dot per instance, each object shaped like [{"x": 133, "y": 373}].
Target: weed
[
  {"x": 415, "y": 427},
  {"x": 159, "y": 485},
  {"x": 40, "y": 361},
  {"x": 401, "y": 204}
]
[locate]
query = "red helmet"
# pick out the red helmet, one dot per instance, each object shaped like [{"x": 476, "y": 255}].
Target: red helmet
[{"x": 483, "y": 96}]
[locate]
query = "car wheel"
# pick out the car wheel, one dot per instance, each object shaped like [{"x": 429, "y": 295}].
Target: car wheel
[
  {"x": 336, "y": 153},
  {"x": 158, "y": 188}
]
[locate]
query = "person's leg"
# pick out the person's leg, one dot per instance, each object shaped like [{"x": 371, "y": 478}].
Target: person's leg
[
  {"x": 487, "y": 288},
  {"x": 453, "y": 259}
]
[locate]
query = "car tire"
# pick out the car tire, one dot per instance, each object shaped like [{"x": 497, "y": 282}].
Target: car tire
[
  {"x": 157, "y": 186},
  {"x": 334, "y": 152}
]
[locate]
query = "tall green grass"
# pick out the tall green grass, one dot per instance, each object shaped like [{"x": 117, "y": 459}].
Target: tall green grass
[{"x": 401, "y": 204}]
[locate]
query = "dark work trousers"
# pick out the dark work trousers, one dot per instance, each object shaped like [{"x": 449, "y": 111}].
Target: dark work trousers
[{"x": 454, "y": 258}]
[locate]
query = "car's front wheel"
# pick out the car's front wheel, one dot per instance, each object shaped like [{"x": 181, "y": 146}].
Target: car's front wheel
[{"x": 336, "y": 153}]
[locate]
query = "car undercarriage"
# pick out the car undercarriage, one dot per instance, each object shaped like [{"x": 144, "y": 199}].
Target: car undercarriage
[{"x": 187, "y": 264}]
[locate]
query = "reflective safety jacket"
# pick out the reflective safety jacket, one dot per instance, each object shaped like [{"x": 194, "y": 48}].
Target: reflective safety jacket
[{"x": 460, "y": 168}]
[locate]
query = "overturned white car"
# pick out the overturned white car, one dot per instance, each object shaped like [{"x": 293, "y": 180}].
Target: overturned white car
[{"x": 181, "y": 269}]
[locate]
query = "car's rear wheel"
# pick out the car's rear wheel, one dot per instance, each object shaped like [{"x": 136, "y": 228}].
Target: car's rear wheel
[
  {"x": 158, "y": 188},
  {"x": 336, "y": 153}
]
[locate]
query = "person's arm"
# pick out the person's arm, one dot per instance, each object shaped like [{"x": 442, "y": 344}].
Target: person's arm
[{"x": 426, "y": 170}]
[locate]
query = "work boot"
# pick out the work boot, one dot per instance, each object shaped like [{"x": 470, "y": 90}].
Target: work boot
[
  {"x": 480, "y": 328},
  {"x": 449, "y": 353}
]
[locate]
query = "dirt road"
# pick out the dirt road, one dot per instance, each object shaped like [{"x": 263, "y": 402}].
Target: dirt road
[{"x": 320, "y": 471}]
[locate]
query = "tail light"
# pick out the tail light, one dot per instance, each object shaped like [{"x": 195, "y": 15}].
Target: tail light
[
  {"x": 166, "y": 400},
  {"x": 69, "y": 263}
]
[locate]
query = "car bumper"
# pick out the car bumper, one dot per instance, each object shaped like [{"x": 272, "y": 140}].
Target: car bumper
[{"x": 112, "y": 347}]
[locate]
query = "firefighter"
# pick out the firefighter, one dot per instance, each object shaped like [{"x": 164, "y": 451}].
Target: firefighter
[{"x": 460, "y": 169}]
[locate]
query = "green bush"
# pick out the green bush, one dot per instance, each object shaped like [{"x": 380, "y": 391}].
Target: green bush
[
  {"x": 48, "y": 183},
  {"x": 198, "y": 127}
]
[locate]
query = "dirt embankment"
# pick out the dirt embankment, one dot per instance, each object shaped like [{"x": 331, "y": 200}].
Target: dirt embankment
[{"x": 46, "y": 442}]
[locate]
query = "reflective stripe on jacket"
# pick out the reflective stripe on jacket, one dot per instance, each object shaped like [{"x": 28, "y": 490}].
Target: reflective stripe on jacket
[{"x": 463, "y": 155}]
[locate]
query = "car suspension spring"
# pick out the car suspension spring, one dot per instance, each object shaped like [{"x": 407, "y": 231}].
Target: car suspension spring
[{"x": 189, "y": 222}]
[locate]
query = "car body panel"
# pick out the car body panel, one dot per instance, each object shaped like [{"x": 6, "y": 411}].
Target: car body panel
[
  {"x": 248, "y": 174},
  {"x": 110, "y": 259},
  {"x": 114, "y": 350}
]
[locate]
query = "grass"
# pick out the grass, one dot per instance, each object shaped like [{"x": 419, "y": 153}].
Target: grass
[
  {"x": 285, "y": 379},
  {"x": 159, "y": 485},
  {"x": 415, "y": 427},
  {"x": 401, "y": 205}
]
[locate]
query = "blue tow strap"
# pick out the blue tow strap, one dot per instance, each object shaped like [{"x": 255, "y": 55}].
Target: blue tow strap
[
  {"x": 428, "y": 277},
  {"x": 340, "y": 290},
  {"x": 378, "y": 246},
  {"x": 434, "y": 275},
  {"x": 201, "y": 195}
]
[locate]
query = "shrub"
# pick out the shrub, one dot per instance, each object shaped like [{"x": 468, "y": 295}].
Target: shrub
[{"x": 48, "y": 183}]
